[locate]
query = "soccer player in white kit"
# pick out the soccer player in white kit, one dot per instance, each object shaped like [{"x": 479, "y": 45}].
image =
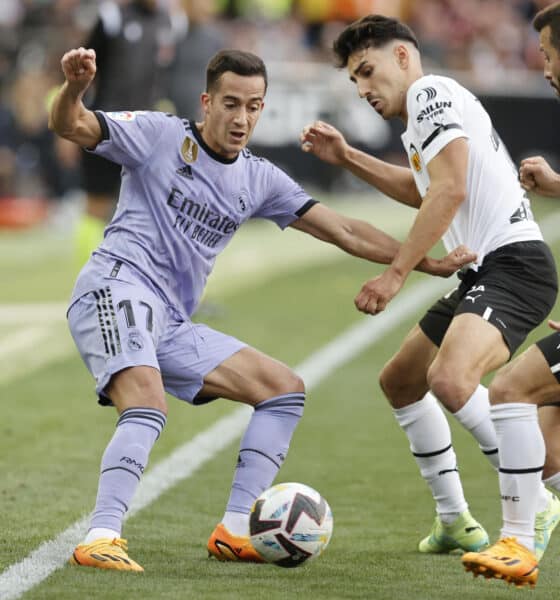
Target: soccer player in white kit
[
  {"x": 186, "y": 189},
  {"x": 528, "y": 383},
  {"x": 465, "y": 187}
]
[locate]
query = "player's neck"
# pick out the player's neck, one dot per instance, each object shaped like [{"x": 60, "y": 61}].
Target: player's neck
[
  {"x": 210, "y": 145},
  {"x": 415, "y": 74}
]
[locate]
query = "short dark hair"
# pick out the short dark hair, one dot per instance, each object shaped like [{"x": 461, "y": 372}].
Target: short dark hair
[
  {"x": 372, "y": 31},
  {"x": 236, "y": 61},
  {"x": 549, "y": 16}
]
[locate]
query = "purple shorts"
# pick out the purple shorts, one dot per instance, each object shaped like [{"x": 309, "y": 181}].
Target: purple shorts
[{"x": 125, "y": 324}]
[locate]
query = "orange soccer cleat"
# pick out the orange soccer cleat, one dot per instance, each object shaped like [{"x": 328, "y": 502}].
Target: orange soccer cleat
[
  {"x": 105, "y": 553},
  {"x": 507, "y": 559},
  {"x": 223, "y": 545}
]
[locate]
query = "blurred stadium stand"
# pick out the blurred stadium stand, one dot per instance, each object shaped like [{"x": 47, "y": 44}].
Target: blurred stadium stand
[{"x": 489, "y": 45}]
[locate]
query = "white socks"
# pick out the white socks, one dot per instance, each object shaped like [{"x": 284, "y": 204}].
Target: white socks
[
  {"x": 522, "y": 456},
  {"x": 100, "y": 532},
  {"x": 429, "y": 435},
  {"x": 236, "y": 523},
  {"x": 474, "y": 416}
]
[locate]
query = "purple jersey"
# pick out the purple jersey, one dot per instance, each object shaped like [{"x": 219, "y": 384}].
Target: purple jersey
[{"x": 180, "y": 203}]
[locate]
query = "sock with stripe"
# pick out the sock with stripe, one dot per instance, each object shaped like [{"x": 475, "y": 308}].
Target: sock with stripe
[
  {"x": 123, "y": 463},
  {"x": 474, "y": 416},
  {"x": 262, "y": 451},
  {"x": 522, "y": 455},
  {"x": 429, "y": 435}
]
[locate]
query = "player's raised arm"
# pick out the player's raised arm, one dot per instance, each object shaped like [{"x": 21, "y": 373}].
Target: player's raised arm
[
  {"x": 537, "y": 176},
  {"x": 366, "y": 241},
  {"x": 328, "y": 144},
  {"x": 69, "y": 118}
]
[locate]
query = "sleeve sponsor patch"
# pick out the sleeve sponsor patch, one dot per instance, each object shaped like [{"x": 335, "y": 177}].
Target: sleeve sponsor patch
[
  {"x": 124, "y": 115},
  {"x": 433, "y": 109}
]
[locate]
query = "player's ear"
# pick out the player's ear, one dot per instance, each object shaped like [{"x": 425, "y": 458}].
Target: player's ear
[
  {"x": 205, "y": 101},
  {"x": 402, "y": 55}
]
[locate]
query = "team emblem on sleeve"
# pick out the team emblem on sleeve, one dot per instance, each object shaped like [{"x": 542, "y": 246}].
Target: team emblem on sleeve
[
  {"x": 415, "y": 159},
  {"x": 427, "y": 94}
]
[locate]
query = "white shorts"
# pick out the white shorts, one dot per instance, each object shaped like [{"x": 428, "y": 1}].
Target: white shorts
[{"x": 124, "y": 324}]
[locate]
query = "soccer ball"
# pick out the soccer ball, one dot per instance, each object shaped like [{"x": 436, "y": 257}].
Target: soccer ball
[{"x": 290, "y": 524}]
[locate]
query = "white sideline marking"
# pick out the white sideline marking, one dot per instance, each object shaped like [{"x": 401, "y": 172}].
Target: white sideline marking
[
  {"x": 188, "y": 458},
  {"x": 22, "y": 339},
  {"x": 41, "y": 312},
  {"x": 38, "y": 340},
  {"x": 32, "y": 347}
]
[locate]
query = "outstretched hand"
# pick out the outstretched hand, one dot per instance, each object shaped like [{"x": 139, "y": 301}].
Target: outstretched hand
[
  {"x": 79, "y": 67},
  {"x": 454, "y": 261},
  {"x": 325, "y": 142}
]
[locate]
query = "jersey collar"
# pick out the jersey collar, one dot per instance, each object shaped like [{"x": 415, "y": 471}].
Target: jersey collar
[{"x": 208, "y": 150}]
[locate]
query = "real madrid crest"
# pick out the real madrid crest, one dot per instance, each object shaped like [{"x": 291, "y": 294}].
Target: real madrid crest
[
  {"x": 242, "y": 201},
  {"x": 189, "y": 150}
]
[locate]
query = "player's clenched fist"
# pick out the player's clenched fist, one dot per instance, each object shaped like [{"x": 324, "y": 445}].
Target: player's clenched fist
[
  {"x": 79, "y": 66},
  {"x": 536, "y": 175},
  {"x": 378, "y": 292}
]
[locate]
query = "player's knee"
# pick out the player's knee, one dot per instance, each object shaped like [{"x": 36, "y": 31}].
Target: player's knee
[
  {"x": 394, "y": 383},
  {"x": 137, "y": 387},
  {"x": 504, "y": 389},
  {"x": 387, "y": 380},
  {"x": 281, "y": 384},
  {"x": 292, "y": 383},
  {"x": 450, "y": 386},
  {"x": 298, "y": 384}
]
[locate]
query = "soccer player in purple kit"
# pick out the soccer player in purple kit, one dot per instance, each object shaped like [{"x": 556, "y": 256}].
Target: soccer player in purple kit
[{"x": 186, "y": 189}]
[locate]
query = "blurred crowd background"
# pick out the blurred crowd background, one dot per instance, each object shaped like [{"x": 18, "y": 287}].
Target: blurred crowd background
[{"x": 153, "y": 54}]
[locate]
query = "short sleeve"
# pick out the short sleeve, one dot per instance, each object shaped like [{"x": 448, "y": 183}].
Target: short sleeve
[
  {"x": 285, "y": 200},
  {"x": 129, "y": 138},
  {"x": 435, "y": 115}
]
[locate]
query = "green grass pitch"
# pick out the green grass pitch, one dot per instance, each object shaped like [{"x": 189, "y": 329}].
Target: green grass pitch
[{"x": 288, "y": 296}]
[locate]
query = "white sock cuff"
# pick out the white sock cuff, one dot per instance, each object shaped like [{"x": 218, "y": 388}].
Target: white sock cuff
[
  {"x": 100, "y": 532},
  {"x": 513, "y": 410},
  {"x": 475, "y": 410},
  {"x": 236, "y": 523},
  {"x": 411, "y": 413}
]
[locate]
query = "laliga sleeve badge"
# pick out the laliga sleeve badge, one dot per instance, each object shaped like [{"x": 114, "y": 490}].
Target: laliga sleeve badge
[
  {"x": 189, "y": 150},
  {"x": 123, "y": 115}
]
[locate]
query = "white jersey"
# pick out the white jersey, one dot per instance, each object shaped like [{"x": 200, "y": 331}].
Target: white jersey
[{"x": 496, "y": 210}]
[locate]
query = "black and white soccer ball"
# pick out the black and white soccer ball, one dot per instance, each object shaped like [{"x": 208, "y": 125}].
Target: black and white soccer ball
[{"x": 290, "y": 524}]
